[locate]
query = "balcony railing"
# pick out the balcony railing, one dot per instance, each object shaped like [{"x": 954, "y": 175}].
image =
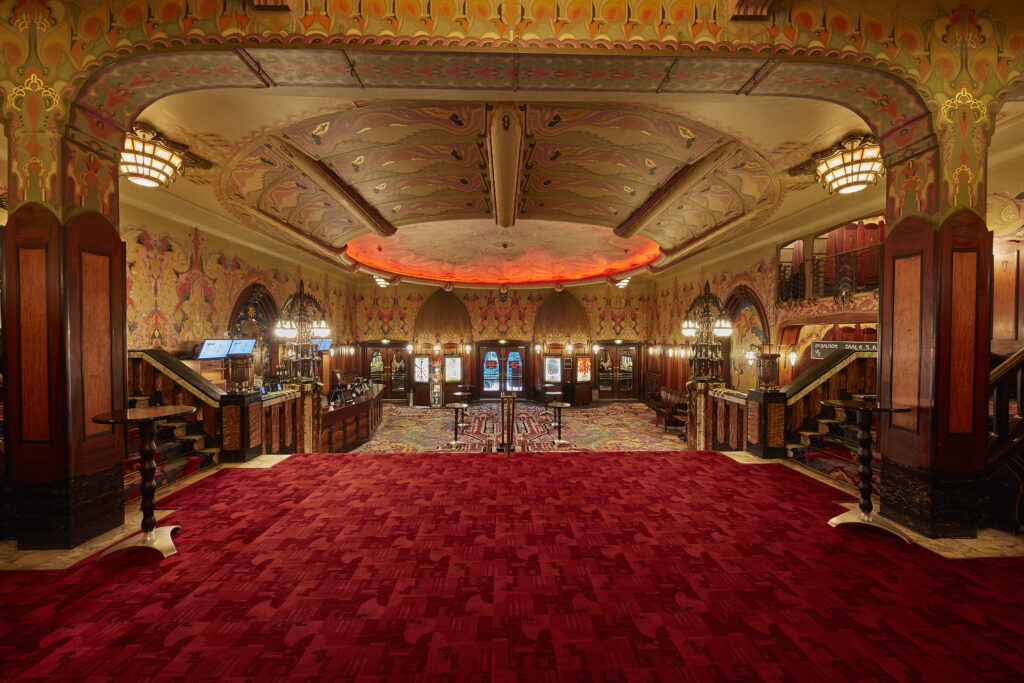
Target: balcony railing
[{"x": 849, "y": 272}]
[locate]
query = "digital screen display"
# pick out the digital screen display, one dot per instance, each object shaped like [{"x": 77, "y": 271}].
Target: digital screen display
[
  {"x": 242, "y": 346},
  {"x": 213, "y": 349},
  {"x": 324, "y": 344}
]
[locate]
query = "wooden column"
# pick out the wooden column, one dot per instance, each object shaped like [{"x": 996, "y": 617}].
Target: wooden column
[
  {"x": 64, "y": 303},
  {"x": 935, "y": 303}
]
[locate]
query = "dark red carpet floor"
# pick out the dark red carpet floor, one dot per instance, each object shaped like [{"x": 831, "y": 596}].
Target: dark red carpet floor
[{"x": 561, "y": 567}]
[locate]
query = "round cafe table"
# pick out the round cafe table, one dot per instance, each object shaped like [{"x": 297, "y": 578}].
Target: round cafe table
[
  {"x": 864, "y": 410},
  {"x": 146, "y": 418},
  {"x": 557, "y": 407},
  {"x": 457, "y": 408}
]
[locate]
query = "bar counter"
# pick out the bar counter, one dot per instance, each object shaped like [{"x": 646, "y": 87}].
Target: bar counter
[{"x": 350, "y": 424}]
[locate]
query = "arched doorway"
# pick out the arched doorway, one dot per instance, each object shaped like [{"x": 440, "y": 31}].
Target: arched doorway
[{"x": 252, "y": 317}]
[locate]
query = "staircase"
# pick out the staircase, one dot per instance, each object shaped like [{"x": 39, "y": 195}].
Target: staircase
[
  {"x": 830, "y": 446},
  {"x": 825, "y": 439},
  {"x": 184, "y": 445}
]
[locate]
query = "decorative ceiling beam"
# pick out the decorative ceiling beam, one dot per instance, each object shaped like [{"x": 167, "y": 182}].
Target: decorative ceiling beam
[
  {"x": 684, "y": 180},
  {"x": 336, "y": 188},
  {"x": 505, "y": 144},
  {"x": 751, "y": 10}
]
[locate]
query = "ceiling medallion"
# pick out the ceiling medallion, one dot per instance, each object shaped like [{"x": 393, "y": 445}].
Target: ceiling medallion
[{"x": 849, "y": 166}]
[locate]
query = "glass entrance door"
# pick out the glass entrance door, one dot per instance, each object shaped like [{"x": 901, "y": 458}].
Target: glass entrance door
[
  {"x": 502, "y": 370},
  {"x": 388, "y": 366},
  {"x": 616, "y": 372}
]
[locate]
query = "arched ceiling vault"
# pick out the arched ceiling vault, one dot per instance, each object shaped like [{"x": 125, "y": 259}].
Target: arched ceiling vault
[{"x": 420, "y": 188}]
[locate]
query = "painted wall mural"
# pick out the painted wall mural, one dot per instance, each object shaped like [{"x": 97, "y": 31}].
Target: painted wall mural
[
  {"x": 747, "y": 331},
  {"x": 390, "y": 313},
  {"x": 182, "y": 287}
]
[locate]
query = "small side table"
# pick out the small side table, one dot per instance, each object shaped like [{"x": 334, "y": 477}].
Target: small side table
[
  {"x": 557, "y": 407},
  {"x": 146, "y": 418},
  {"x": 457, "y": 407},
  {"x": 461, "y": 397},
  {"x": 864, "y": 410}
]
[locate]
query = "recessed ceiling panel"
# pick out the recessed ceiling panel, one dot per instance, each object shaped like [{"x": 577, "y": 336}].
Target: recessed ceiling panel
[{"x": 481, "y": 252}]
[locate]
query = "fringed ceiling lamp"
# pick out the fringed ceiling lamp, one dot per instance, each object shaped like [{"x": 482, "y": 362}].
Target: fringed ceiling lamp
[
  {"x": 151, "y": 160},
  {"x": 851, "y": 165}
]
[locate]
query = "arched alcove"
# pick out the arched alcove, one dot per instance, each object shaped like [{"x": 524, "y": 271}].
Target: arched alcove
[
  {"x": 442, "y": 318},
  {"x": 561, "y": 318}
]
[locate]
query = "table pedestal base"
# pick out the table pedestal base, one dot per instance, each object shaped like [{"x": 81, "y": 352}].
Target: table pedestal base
[
  {"x": 856, "y": 517},
  {"x": 157, "y": 539}
]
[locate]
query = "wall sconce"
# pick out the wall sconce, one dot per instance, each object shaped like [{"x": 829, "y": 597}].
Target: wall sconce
[
  {"x": 536, "y": 347},
  {"x": 670, "y": 352},
  {"x": 468, "y": 348},
  {"x": 408, "y": 348},
  {"x": 385, "y": 341},
  {"x": 568, "y": 348},
  {"x": 437, "y": 348}
]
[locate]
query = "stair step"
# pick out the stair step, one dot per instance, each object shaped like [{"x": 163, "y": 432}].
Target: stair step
[{"x": 139, "y": 401}]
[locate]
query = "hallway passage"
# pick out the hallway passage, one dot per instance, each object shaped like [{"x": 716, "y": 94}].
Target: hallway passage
[{"x": 605, "y": 426}]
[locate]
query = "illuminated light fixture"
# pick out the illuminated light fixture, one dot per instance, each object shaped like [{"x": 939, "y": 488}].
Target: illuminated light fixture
[
  {"x": 650, "y": 350},
  {"x": 568, "y": 348},
  {"x": 792, "y": 358},
  {"x": 536, "y": 347},
  {"x": 385, "y": 341},
  {"x": 851, "y": 166},
  {"x": 468, "y": 348},
  {"x": 147, "y": 160},
  {"x": 623, "y": 283},
  {"x": 750, "y": 355},
  {"x": 707, "y": 323},
  {"x": 597, "y": 347},
  {"x": 670, "y": 352},
  {"x": 618, "y": 341},
  {"x": 408, "y": 347},
  {"x": 302, "y": 321},
  {"x": 723, "y": 328},
  {"x": 502, "y": 341},
  {"x": 437, "y": 347},
  {"x": 381, "y": 282}
]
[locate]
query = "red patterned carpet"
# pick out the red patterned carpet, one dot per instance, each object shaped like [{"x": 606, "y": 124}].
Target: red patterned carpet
[{"x": 562, "y": 567}]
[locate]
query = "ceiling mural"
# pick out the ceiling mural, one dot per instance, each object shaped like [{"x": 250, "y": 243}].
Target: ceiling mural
[{"x": 408, "y": 189}]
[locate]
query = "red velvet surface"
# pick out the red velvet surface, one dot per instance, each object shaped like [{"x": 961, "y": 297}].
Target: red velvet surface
[{"x": 568, "y": 566}]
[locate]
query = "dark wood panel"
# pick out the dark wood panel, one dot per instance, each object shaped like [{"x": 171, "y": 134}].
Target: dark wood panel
[
  {"x": 33, "y": 341},
  {"x": 94, "y": 276},
  {"x": 97, "y": 392},
  {"x": 1004, "y": 295},
  {"x": 905, "y": 442},
  {"x": 33, "y": 226},
  {"x": 962, "y": 342},
  {"x": 906, "y": 339}
]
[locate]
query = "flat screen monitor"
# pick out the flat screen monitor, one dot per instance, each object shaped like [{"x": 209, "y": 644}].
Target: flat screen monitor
[
  {"x": 242, "y": 346},
  {"x": 214, "y": 349},
  {"x": 323, "y": 344}
]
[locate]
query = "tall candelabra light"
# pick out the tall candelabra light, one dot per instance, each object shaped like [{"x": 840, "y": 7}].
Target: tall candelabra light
[
  {"x": 301, "y": 321},
  {"x": 707, "y": 324}
]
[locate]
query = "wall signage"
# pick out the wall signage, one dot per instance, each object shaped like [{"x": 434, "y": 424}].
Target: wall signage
[{"x": 822, "y": 349}]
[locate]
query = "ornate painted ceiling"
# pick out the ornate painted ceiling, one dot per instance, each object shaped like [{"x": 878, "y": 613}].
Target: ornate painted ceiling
[
  {"x": 412, "y": 188},
  {"x": 416, "y": 184}
]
